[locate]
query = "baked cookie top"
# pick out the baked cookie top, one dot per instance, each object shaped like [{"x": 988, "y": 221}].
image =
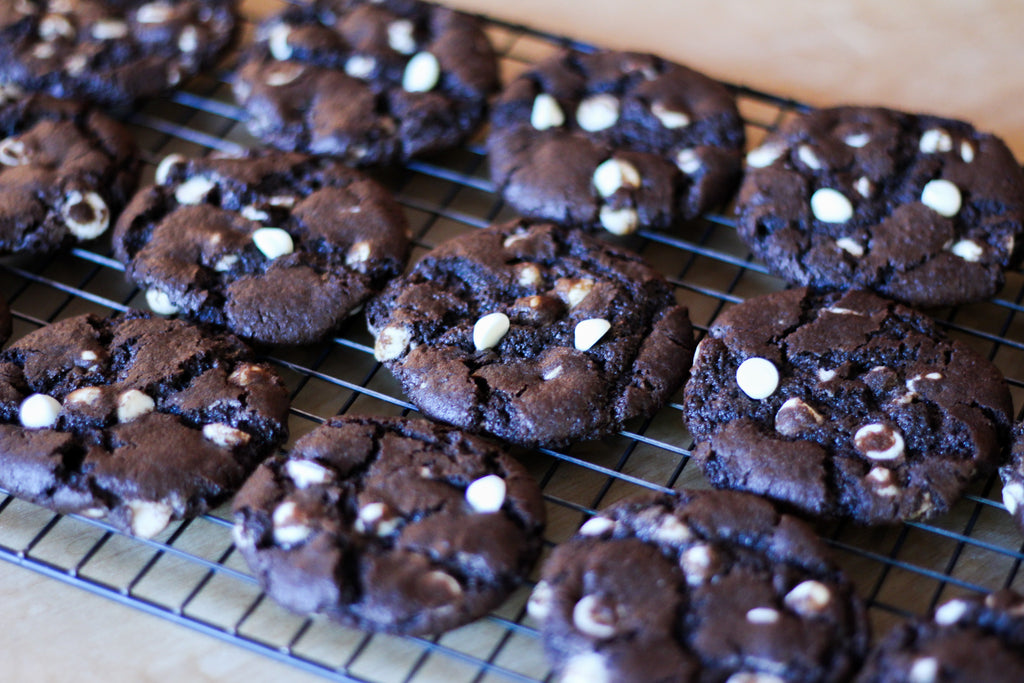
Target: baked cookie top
[
  {"x": 922, "y": 209},
  {"x": 110, "y": 51},
  {"x": 843, "y": 404},
  {"x": 615, "y": 140},
  {"x": 65, "y": 171},
  {"x": 369, "y": 82},
  {"x": 699, "y": 586},
  {"x": 390, "y": 524},
  {"x": 278, "y": 247},
  {"x": 537, "y": 334},
  {"x": 133, "y": 418}
]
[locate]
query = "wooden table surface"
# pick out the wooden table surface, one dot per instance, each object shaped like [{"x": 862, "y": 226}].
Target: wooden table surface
[{"x": 954, "y": 57}]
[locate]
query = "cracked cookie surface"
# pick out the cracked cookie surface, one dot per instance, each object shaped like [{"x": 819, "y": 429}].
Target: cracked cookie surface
[
  {"x": 615, "y": 140},
  {"x": 844, "y": 404},
  {"x": 699, "y": 586},
  {"x": 922, "y": 209},
  {"x": 390, "y": 524},
  {"x": 65, "y": 171},
  {"x": 537, "y": 334},
  {"x": 278, "y": 247},
  {"x": 369, "y": 82},
  {"x": 110, "y": 52},
  {"x": 133, "y": 418}
]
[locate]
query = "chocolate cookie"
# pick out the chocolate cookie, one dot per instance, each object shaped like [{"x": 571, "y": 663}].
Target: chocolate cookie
[
  {"x": 278, "y": 247},
  {"x": 390, "y": 524},
  {"x": 969, "y": 639},
  {"x": 1012, "y": 474},
  {"x": 65, "y": 171},
  {"x": 843, "y": 404},
  {"x": 615, "y": 140},
  {"x": 922, "y": 209},
  {"x": 137, "y": 419},
  {"x": 110, "y": 51},
  {"x": 537, "y": 334},
  {"x": 373, "y": 82},
  {"x": 700, "y": 586}
]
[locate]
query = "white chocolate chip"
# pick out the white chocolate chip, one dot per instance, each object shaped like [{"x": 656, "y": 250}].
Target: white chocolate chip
[
  {"x": 878, "y": 441},
  {"x": 573, "y": 292},
  {"x": 619, "y": 221},
  {"x": 290, "y": 525},
  {"x": 97, "y": 217},
  {"x": 253, "y": 214},
  {"x": 163, "y": 169},
  {"x": 794, "y": 416},
  {"x": 401, "y": 37},
  {"x": 53, "y": 26},
  {"x": 188, "y": 39},
  {"x": 273, "y": 242},
  {"x": 44, "y": 51},
  {"x": 422, "y": 73},
  {"x": 486, "y": 494},
  {"x": 247, "y": 374},
  {"x": 966, "y": 152},
  {"x": 1013, "y": 497},
  {"x": 194, "y": 190},
  {"x": 93, "y": 513},
  {"x": 764, "y": 155},
  {"x": 89, "y": 396},
  {"x": 831, "y": 206},
  {"x": 592, "y": 618},
  {"x": 546, "y": 113},
  {"x": 670, "y": 118},
  {"x": 552, "y": 373},
  {"x": 153, "y": 13},
  {"x": 864, "y": 187},
  {"x": 284, "y": 74},
  {"x": 149, "y": 518},
  {"x": 762, "y": 615},
  {"x": 277, "y": 42},
  {"x": 612, "y": 174},
  {"x": 758, "y": 378},
  {"x": 360, "y": 66},
  {"x": 75, "y": 64},
  {"x": 88, "y": 356},
  {"x": 538, "y": 606},
  {"x": 688, "y": 161},
  {"x": 924, "y": 670},
  {"x": 671, "y": 531},
  {"x": 225, "y": 263},
  {"x": 358, "y": 253},
  {"x": 13, "y": 152},
  {"x": 597, "y": 112},
  {"x": 376, "y": 519},
  {"x": 224, "y": 435},
  {"x": 754, "y": 677},
  {"x": 696, "y": 563},
  {"x": 443, "y": 581},
  {"x": 857, "y": 140},
  {"x": 489, "y": 330},
  {"x": 850, "y": 246},
  {"x": 589, "y": 332},
  {"x": 884, "y": 481},
  {"x": 306, "y": 473},
  {"x": 596, "y": 526},
  {"x": 109, "y": 29},
  {"x": 529, "y": 275},
  {"x": 588, "y": 667},
  {"x": 805, "y": 154},
  {"x": 38, "y": 411},
  {"x": 942, "y": 196},
  {"x": 935, "y": 140},
  {"x": 391, "y": 343},
  {"x": 968, "y": 250},
  {"x": 950, "y": 613},
  {"x": 160, "y": 302},
  {"x": 826, "y": 375},
  {"x": 517, "y": 236},
  {"x": 133, "y": 404},
  {"x": 808, "y": 598}
]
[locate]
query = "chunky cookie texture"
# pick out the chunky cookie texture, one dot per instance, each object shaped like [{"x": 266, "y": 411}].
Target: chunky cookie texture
[
  {"x": 107, "y": 51},
  {"x": 278, "y": 247},
  {"x": 843, "y": 404},
  {"x": 615, "y": 140},
  {"x": 537, "y": 334},
  {"x": 369, "y": 82},
  {"x": 700, "y": 586},
  {"x": 921, "y": 209},
  {"x": 65, "y": 172},
  {"x": 136, "y": 419},
  {"x": 967, "y": 639},
  {"x": 390, "y": 524}
]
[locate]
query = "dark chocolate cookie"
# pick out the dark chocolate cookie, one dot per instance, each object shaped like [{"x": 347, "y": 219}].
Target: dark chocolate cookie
[
  {"x": 110, "y": 51},
  {"x": 922, "y": 209},
  {"x": 615, "y": 140},
  {"x": 65, "y": 171},
  {"x": 373, "y": 82},
  {"x": 278, "y": 247},
  {"x": 700, "y": 586},
  {"x": 390, "y": 524},
  {"x": 538, "y": 334},
  {"x": 134, "y": 418},
  {"x": 1012, "y": 474},
  {"x": 843, "y": 405},
  {"x": 968, "y": 640}
]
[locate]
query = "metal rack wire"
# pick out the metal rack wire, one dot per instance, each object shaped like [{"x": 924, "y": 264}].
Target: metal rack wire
[{"x": 190, "y": 574}]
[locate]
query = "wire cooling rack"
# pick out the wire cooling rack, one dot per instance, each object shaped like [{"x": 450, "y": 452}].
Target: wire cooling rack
[{"x": 191, "y": 575}]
